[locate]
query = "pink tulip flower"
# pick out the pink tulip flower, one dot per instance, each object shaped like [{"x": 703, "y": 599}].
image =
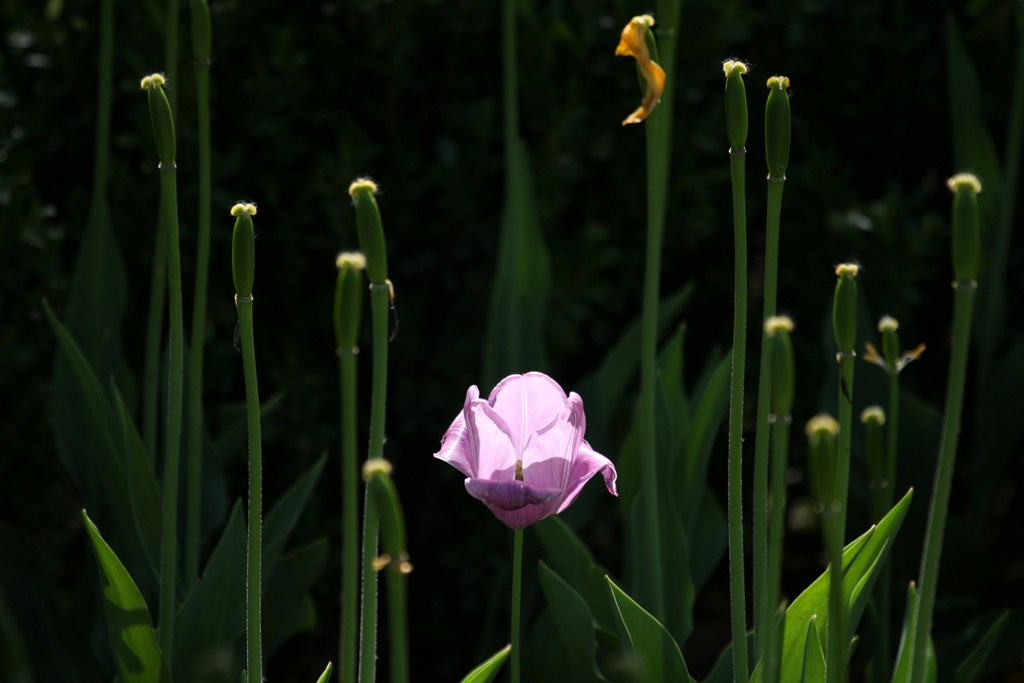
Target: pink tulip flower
[{"x": 522, "y": 450}]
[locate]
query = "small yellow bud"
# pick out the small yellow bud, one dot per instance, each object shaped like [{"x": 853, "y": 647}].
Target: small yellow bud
[
  {"x": 850, "y": 269},
  {"x": 243, "y": 207},
  {"x": 887, "y": 323},
  {"x": 352, "y": 259},
  {"x": 362, "y": 184},
  {"x": 731, "y": 66},
  {"x": 374, "y": 465},
  {"x": 873, "y": 415},
  {"x": 967, "y": 181},
  {"x": 153, "y": 81},
  {"x": 777, "y": 323},
  {"x": 822, "y": 423},
  {"x": 780, "y": 82}
]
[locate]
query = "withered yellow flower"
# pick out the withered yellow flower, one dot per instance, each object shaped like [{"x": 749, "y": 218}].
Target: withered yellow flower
[{"x": 634, "y": 44}]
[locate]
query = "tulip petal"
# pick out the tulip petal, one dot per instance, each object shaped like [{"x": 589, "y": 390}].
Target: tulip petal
[
  {"x": 508, "y": 495},
  {"x": 492, "y": 444},
  {"x": 633, "y": 43},
  {"x": 548, "y": 457},
  {"x": 456, "y": 447},
  {"x": 588, "y": 462},
  {"x": 528, "y": 403}
]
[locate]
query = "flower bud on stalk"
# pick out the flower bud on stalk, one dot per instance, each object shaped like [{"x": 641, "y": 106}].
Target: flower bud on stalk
[
  {"x": 844, "y": 310},
  {"x": 873, "y": 418},
  {"x": 822, "y": 430},
  {"x": 735, "y": 105},
  {"x": 163, "y": 120},
  {"x": 777, "y": 124},
  {"x": 348, "y": 298},
  {"x": 778, "y": 329},
  {"x": 243, "y": 249},
  {"x": 888, "y": 327},
  {"x": 966, "y": 238},
  {"x": 370, "y": 229}
]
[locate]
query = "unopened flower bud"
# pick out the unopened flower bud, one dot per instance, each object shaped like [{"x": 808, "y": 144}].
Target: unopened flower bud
[
  {"x": 873, "y": 418},
  {"x": 161, "y": 117},
  {"x": 348, "y": 298},
  {"x": 370, "y": 229},
  {"x": 844, "y": 308},
  {"x": 888, "y": 327},
  {"x": 735, "y": 105},
  {"x": 778, "y": 329},
  {"x": 822, "y": 430},
  {"x": 777, "y": 127},
  {"x": 966, "y": 234},
  {"x": 243, "y": 249}
]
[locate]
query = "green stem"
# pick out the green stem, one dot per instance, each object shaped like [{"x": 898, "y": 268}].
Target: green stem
[
  {"x": 659, "y": 146},
  {"x": 776, "y": 525},
  {"x": 168, "y": 555},
  {"x": 883, "y": 646},
  {"x": 846, "y": 367},
  {"x": 836, "y": 525},
  {"x": 195, "y": 386},
  {"x": 517, "y": 589},
  {"x": 737, "y": 163},
  {"x": 368, "y": 614},
  {"x": 254, "y": 570},
  {"x": 764, "y": 606},
  {"x": 347, "y": 368},
  {"x": 932, "y": 553},
  {"x": 380, "y": 300},
  {"x": 154, "y": 338}
]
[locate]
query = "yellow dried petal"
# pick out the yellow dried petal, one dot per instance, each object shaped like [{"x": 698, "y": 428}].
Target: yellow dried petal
[{"x": 633, "y": 44}]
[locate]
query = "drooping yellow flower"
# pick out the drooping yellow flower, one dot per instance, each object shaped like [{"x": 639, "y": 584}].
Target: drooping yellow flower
[{"x": 634, "y": 44}]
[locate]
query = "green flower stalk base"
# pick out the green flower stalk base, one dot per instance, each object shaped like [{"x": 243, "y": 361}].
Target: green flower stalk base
[{"x": 517, "y": 590}]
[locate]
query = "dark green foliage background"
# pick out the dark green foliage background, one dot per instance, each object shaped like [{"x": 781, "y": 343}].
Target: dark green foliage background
[{"x": 308, "y": 95}]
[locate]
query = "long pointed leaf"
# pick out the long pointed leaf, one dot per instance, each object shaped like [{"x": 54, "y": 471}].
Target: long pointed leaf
[
  {"x": 905, "y": 654},
  {"x": 129, "y": 625},
  {"x": 656, "y": 657},
  {"x": 326, "y": 675},
  {"x": 485, "y": 672},
  {"x": 285, "y": 513},
  {"x": 574, "y": 622}
]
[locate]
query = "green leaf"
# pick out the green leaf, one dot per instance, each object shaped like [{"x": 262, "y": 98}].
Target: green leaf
[
  {"x": 519, "y": 296},
  {"x": 905, "y": 654},
  {"x": 326, "y": 675},
  {"x": 973, "y": 666},
  {"x": 574, "y": 622},
  {"x": 710, "y": 401},
  {"x": 571, "y": 560},
  {"x": 143, "y": 491},
  {"x": 212, "y": 617},
  {"x": 862, "y": 560},
  {"x": 284, "y": 514},
  {"x": 486, "y": 671},
  {"x": 287, "y": 606},
  {"x": 656, "y": 657},
  {"x": 813, "y": 670},
  {"x": 129, "y": 627}
]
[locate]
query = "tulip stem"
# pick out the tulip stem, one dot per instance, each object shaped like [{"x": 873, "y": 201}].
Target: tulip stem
[
  {"x": 517, "y": 589},
  {"x": 764, "y": 590},
  {"x": 347, "y": 368},
  {"x": 193, "y": 526},
  {"x": 963, "y": 306},
  {"x": 737, "y": 159},
  {"x": 776, "y": 532},
  {"x": 836, "y": 660},
  {"x": 254, "y": 570},
  {"x": 380, "y": 300},
  {"x": 176, "y": 358}
]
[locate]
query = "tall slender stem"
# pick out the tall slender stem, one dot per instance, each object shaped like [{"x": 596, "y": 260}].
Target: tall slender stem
[
  {"x": 254, "y": 565},
  {"x": 764, "y": 606},
  {"x": 737, "y": 159},
  {"x": 176, "y": 357},
  {"x": 380, "y": 299},
  {"x": 154, "y": 338},
  {"x": 836, "y": 660},
  {"x": 517, "y": 589},
  {"x": 883, "y": 648},
  {"x": 776, "y": 529},
  {"x": 963, "y": 306},
  {"x": 347, "y": 368},
  {"x": 195, "y": 386}
]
